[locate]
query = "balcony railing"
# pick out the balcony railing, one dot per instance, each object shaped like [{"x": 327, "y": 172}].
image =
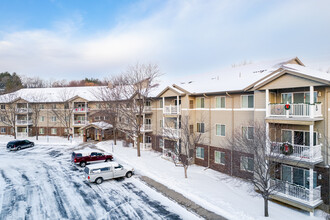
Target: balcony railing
[
  {"x": 171, "y": 109},
  {"x": 24, "y": 110},
  {"x": 79, "y": 122},
  {"x": 21, "y": 134},
  {"x": 23, "y": 122},
  {"x": 146, "y": 127},
  {"x": 81, "y": 109},
  {"x": 171, "y": 132},
  {"x": 145, "y": 146},
  {"x": 296, "y": 192},
  {"x": 296, "y": 110},
  {"x": 147, "y": 108},
  {"x": 300, "y": 152}
]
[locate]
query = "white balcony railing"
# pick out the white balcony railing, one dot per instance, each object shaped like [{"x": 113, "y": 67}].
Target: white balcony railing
[
  {"x": 145, "y": 146},
  {"x": 171, "y": 132},
  {"x": 23, "y": 122},
  {"x": 79, "y": 122},
  {"x": 24, "y": 110},
  {"x": 296, "y": 192},
  {"x": 300, "y": 152},
  {"x": 147, "y": 108},
  {"x": 296, "y": 110},
  {"x": 171, "y": 109},
  {"x": 146, "y": 127},
  {"x": 21, "y": 134},
  {"x": 81, "y": 109}
]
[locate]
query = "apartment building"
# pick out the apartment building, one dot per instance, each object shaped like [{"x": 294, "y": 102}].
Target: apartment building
[{"x": 291, "y": 99}]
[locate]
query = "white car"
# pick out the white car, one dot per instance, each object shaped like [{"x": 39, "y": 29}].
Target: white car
[{"x": 104, "y": 171}]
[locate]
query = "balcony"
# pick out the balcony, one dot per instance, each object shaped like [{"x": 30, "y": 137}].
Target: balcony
[
  {"x": 172, "y": 110},
  {"x": 23, "y": 110},
  {"x": 145, "y": 146},
  {"x": 300, "y": 152},
  {"x": 146, "y": 128},
  {"x": 172, "y": 133},
  {"x": 296, "y": 110},
  {"x": 23, "y": 122},
  {"x": 297, "y": 193},
  {"x": 21, "y": 134},
  {"x": 80, "y": 122},
  {"x": 80, "y": 109}
]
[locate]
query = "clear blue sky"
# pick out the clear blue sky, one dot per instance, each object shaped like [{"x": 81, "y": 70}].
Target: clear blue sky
[{"x": 74, "y": 39}]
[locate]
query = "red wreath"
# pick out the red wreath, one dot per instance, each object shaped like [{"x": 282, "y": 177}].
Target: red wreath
[
  {"x": 287, "y": 106},
  {"x": 82, "y": 109},
  {"x": 76, "y": 109}
]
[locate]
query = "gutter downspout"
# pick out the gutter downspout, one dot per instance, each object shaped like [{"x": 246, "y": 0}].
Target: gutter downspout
[{"x": 232, "y": 132}]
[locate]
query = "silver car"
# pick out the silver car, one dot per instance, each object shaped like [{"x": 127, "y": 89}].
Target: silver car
[{"x": 104, "y": 171}]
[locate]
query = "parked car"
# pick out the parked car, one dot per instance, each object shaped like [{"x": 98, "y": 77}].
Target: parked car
[
  {"x": 84, "y": 157},
  {"x": 104, "y": 171},
  {"x": 19, "y": 144}
]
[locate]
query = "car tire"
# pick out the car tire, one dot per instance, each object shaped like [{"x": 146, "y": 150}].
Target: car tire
[
  {"x": 32, "y": 144},
  {"x": 19, "y": 148},
  {"x": 99, "y": 180},
  {"x": 83, "y": 164},
  {"x": 129, "y": 174},
  {"x": 107, "y": 160}
]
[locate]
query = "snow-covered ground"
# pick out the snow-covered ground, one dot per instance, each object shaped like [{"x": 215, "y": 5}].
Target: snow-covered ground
[
  {"x": 220, "y": 193},
  {"x": 41, "y": 183},
  {"x": 45, "y": 140}
]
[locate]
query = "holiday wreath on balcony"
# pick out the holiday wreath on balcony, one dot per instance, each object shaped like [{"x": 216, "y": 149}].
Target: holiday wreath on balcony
[{"x": 286, "y": 149}]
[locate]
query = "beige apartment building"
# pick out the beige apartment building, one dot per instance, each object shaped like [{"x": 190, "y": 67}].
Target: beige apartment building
[{"x": 217, "y": 105}]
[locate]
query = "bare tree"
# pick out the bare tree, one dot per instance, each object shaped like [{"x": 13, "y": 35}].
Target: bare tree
[
  {"x": 64, "y": 113},
  {"x": 33, "y": 82},
  {"x": 135, "y": 86},
  {"x": 188, "y": 139},
  {"x": 8, "y": 111},
  {"x": 36, "y": 106}
]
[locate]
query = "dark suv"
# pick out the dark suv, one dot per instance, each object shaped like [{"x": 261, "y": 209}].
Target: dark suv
[{"x": 19, "y": 144}]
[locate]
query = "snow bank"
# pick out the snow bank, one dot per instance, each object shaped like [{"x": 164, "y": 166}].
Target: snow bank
[{"x": 50, "y": 140}]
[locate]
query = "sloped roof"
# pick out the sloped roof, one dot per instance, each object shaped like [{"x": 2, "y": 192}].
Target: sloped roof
[{"x": 100, "y": 125}]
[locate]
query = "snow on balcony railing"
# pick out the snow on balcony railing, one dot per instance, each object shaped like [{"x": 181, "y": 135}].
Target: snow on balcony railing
[
  {"x": 146, "y": 127},
  {"x": 23, "y": 122},
  {"x": 23, "y": 110},
  {"x": 296, "y": 192},
  {"x": 147, "y": 108},
  {"x": 79, "y": 122},
  {"x": 171, "y": 109},
  {"x": 145, "y": 146},
  {"x": 81, "y": 109},
  {"x": 300, "y": 152},
  {"x": 296, "y": 110},
  {"x": 171, "y": 132}
]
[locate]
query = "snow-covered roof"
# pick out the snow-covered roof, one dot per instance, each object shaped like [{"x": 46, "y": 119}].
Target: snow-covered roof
[
  {"x": 307, "y": 71},
  {"x": 101, "y": 125}
]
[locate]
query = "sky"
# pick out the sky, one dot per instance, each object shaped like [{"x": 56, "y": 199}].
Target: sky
[{"x": 74, "y": 39}]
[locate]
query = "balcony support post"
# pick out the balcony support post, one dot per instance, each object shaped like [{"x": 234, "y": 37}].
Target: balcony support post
[
  {"x": 311, "y": 185},
  {"x": 311, "y": 101},
  {"x": 27, "y": 121},
  {"x": 177, "y": 104},
  {"x": 267, "y": 102},
  {"x": 85, "y": 108},
  {"x": 311, "y": 142}
]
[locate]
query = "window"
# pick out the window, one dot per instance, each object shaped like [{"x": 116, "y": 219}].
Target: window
[
  {"x": 3, "y": 130},
  {"x": 3, "y": 106},
  {"x": 53, "y": 118},
  {"x": 148, "y": 139},
  {"x": 219, "y": 157},
  {"x": 66, "y": 105},
  {"x": 161, "y": 143},
  {"x": 247, "y": 101},
  {"x": 54, "y": 131},
  {"x": 42, "y": 118},
  {"x": 161, "y": 103},
  {"x": 297, "y": 176},
  {"x": 67, "y": 118},
  {"x": 41, "y": 131},
  {"x": 247, "y": 163},
  {"x": 96, "y": 118},
  {"x": 220, "y": 130},
  {"x": 41, "y": 106},
  {"x": 191, "y": 129},
  {"x": 148, "y": 103},
  {"x": 247, "y": 132},
  {"x": 200, "y": 152},
  {"x": 200, "y": 127},
  {"x": 98, "y": 106},
  {"x": 200, "y": 102},
  {"x": 3, "y": 118},
  {"x": 105, "y": 169},
  {"x": 297, "y": 97},
  {"x": 220, "y": 102},
  {"x": 161, "y": 123},
  {"x": 191, "y": 104},
  {"x": 54, "y": 106}
]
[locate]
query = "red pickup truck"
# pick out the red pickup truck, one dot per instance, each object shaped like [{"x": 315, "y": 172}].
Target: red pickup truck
[{"x": 84, "y": 157}]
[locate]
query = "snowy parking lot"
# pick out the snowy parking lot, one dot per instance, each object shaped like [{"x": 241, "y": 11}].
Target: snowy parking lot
[{"x": 41, "y": 183}]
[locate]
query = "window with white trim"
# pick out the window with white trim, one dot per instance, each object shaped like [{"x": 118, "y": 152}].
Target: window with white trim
[
  {"x": 220, "y": 130},
  {"x": 247, "y": 163},
  {"x": 41, "y": 130},
  {"x": 200, "y": 127},
  {"x": 3, "y": 118},
  {"x": 3, "y": 106},
  {"x": 219, "y": 157},
  {"x": 200, "y": 102},
  {"x": 41, "y": 106},
  {"x": 220, "y": 102},
  {"x": 53, "y": 131},
  {"x": 42, "y": 118},
  {"x": 247, "y": 101},
  {"x": 200, "y": 152},
  {"x": 54, "y": 106},
  {"x": 53, "y": 118},
  {"x": 248, "y": 132},
  {"x": 3, "y": 130}
]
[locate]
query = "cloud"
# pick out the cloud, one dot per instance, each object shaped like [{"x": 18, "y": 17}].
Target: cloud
[{"x": 184, "y": 37}]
